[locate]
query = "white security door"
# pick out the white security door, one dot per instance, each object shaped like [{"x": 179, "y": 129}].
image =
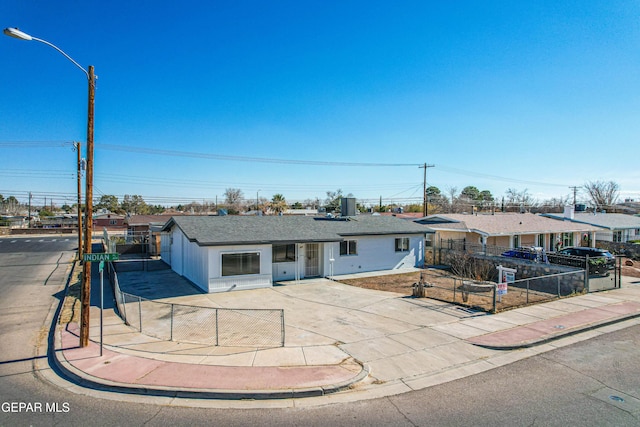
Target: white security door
[{"x": 312, "y": 261}]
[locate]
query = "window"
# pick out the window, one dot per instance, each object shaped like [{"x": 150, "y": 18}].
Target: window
[
  {"x": 567, "y": 239},
  {"x": 113, "y": 222},
  {"x": 617, "y": 236},
  {"x": 402, "y": 244},
  {"x": 284, "y": 253},
  {"x": 428, "y": 240},
  {"x": 541, "y": 240},
  {"x": 348, "y": 247},
  {"x": 516, "y": 241},
  {"x": 240, "y": 263}
]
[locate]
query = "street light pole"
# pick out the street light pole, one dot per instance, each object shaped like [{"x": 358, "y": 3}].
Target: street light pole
[{"x": 85, "y": 295}]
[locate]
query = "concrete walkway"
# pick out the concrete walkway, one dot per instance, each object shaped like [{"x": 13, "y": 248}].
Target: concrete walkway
[{"x": 343, "y": 343}]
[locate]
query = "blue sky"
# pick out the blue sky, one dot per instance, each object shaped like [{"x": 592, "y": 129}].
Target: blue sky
[{"x": 539, "y": 95}]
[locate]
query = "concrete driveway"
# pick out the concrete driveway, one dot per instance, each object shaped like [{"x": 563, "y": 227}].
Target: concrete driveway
[{"x": 396, "y": 336}]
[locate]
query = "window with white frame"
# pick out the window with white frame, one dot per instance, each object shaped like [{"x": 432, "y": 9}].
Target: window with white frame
[
  {"x": 541, "y": 240},
  {"x": 428, "y": 240},
  {"x": 617, "y": 236},
  {"x": 241, "y": 263},
  {"x": 402, "y": 244},
  {"x": 349, "y": 247},
  {"x": 516, "y": 241},
  {"x": 567, "y": 239},
  {"x": 284, "y": 253}
]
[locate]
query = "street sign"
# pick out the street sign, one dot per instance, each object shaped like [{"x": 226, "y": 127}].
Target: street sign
[{"x": 101, "y": 257}]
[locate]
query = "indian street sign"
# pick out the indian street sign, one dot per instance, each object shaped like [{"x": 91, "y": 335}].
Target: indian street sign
[{"x": 101, "y": 257}]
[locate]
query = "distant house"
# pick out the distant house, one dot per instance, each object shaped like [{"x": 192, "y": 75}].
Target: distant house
[
  {"x": 614, "y": 227},
  {"x": 143, "y": 224},
  {"x": 221, "y": 253},
  {"x": 146, "y": 229},
  {"x": 112, "y": 222},
  {"x": 510, "y": 230}
]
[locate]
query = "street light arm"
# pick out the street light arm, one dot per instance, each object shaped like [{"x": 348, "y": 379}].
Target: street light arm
[{"x": 15, "y": 33}]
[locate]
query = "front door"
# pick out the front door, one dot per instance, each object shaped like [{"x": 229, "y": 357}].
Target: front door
[{"x": 312, "y": 260}]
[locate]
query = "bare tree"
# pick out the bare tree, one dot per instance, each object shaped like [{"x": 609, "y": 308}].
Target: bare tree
[
  {"x": 452, "y": 192},
  {"x": 233, "y": 199},
  {"x": 232, "y": 196},
  {"x": 602, "y": 194},
  {"x": 522, "y": 200}
]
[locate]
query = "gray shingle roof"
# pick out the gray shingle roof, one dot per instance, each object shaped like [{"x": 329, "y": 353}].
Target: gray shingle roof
[{"x": 229, "y": 230}]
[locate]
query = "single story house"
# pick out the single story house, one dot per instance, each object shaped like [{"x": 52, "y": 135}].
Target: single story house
[
  {"x": 510, "y": 230},
  {"x": 614, "y": 227},
  {"x": 221, "y": 253}
]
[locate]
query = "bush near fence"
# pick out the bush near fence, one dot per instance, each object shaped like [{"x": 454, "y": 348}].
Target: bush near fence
[{"x": 630, "y": 250}]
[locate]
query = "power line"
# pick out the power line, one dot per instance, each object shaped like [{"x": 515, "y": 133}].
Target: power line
[{"x": 175, "y": 153}]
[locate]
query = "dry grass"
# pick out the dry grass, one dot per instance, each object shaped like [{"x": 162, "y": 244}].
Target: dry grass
[
  {"x": 445, "y": 287},
  {"x": 71, "y": 307}
]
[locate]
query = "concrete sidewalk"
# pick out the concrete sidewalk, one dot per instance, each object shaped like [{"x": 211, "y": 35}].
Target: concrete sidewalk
[{"x": 342, "y": 343}]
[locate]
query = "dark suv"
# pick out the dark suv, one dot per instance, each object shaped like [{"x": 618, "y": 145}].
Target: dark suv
[{"x": 600, "y": 260}]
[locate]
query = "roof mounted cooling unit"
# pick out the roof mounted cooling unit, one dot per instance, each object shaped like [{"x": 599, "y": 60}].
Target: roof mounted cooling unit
[{"x": 348, "y": 206}]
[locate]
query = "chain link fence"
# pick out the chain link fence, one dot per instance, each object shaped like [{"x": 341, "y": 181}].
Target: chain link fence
[
  {"x": 196, "y": 324},
  {"x": 485, "y": 296}
]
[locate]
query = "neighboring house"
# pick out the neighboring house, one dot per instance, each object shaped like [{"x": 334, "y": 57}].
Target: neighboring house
[
  {"x": 12, "y": 221},
  {"x": 146, "y": 229},
  {"x": 615, "y": 227},
  {"x": 221, "y": 253},
  {"x": 58, "y": 221},
  {"x": 143, "y": 224},
  {"x": 510, "y": 230},
  {"x": 112, "y": 222}
]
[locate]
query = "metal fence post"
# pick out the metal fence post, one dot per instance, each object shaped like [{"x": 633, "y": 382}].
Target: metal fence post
[
  {"x": 140, "y": 312},
  {"x": 454, "y": 289},
  {"x": 495, "y": 304},
  {"x": 586, "y": 273},
  {"x": 528, "y": 290},
  {"x": 217, "y": 342},
  {"x": 171, "y": 331},
  {"x": 558, "y": 281},
  {"x": 282, "y": 325}
]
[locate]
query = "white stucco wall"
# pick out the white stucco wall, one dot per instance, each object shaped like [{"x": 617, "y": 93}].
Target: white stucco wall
[
  {"x": 374, "y": 253},
  {"x": 219, "y": 283}
]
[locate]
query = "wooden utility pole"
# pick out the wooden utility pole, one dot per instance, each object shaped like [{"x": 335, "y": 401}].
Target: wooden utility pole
[
  {"x": 425, "y": 209},
  {"x": 85, "y": 294},
  {"x": 575, "y": 191},
  {"x": 80, "y": 251}
]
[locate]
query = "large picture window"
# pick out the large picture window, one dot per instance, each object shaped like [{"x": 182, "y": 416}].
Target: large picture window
[
  {"x": 284, "y": 253},
  {"x": 402, "y": 244},
  {"x": 348, "y": 247},
  {"x": 238, "y": 264}
]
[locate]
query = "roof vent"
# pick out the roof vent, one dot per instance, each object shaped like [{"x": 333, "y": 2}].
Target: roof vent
[{"x": 348, "y": 206}]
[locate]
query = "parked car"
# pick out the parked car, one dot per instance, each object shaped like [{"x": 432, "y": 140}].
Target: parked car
[
  {"x": 600, "y": 260},
  {"x": 533, "y": 253}
]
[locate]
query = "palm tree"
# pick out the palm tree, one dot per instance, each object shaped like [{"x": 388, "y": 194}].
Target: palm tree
[{"x": 278, "y": 204}]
